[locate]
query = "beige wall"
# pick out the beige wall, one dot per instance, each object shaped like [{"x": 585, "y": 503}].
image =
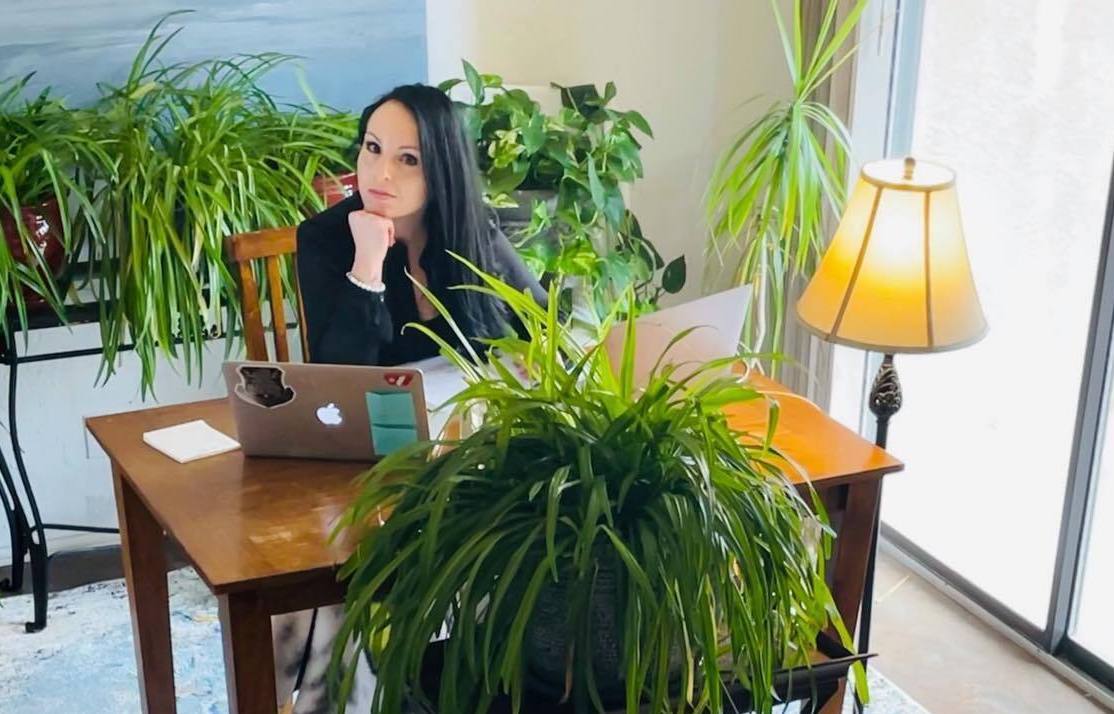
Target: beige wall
[{"x": 688, "y": 67}]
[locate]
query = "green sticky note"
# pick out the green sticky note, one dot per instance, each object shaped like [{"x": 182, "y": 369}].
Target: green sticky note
[
  {"x": 391, "y": 409},
  {"x": 388, "y": 439}
]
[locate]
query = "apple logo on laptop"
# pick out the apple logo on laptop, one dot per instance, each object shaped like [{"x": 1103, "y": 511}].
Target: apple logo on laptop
[{"x": 329, "y": 415}]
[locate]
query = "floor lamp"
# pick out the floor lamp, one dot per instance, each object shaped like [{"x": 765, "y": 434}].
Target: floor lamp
[{"x": 895, "y": 278}]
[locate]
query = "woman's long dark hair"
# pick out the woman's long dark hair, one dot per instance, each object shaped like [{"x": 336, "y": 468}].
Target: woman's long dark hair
[{"x": 455, "y": 215}]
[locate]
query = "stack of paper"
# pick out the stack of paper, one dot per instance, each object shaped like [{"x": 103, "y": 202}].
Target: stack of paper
[{"x": 190, "y": 441}]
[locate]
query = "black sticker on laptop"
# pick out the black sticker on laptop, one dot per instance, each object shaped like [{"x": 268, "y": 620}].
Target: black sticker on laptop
[{"x": 264, "y": 386}]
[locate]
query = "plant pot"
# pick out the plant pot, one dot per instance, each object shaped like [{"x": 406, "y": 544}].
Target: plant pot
[
  {"x": 515, "y": 218},
  {"x": 43, "y": 222},
  {"x": 334, "y": 189},
  {"x": 548, "y": 638}
]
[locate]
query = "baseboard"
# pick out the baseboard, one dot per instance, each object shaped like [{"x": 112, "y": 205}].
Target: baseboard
[{"x": 63, "y": 542}]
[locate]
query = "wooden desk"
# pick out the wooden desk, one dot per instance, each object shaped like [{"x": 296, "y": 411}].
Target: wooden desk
[{"x": 256, "y": 530}]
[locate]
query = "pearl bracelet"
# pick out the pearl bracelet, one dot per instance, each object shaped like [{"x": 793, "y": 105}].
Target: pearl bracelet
[{"x": 379, "y": 287}]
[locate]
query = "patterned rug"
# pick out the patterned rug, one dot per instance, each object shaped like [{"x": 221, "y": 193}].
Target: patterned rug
[{"x": 84, "y": 661}]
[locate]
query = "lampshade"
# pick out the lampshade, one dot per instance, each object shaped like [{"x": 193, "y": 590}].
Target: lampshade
[{"x": 896, "y": 276}]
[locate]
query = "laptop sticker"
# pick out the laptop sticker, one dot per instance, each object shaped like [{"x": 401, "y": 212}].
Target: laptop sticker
[
  {"x": 392, "y": 419},
  {"x": 389, "y": 408},
  {"x": 264, "y": 386},
  {"x": 399, "y": 379},
  {"x": 388, "y": 439}
]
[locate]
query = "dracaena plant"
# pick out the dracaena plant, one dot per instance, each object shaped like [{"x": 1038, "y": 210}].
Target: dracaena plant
[
  {"x": 573, "y": 467},
  {"x": 585, "y": 154},
  {"x": 48, "y": 152},
  {"x": 202, "y": 151},
  {"x": 773, "y": 187}
]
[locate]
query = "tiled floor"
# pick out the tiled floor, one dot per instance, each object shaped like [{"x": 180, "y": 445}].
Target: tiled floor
[{"x": 953, "y": 663}]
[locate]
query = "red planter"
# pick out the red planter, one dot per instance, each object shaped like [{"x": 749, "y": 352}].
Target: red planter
[
  {"x": 335, "y": 189},
  {"x": 44, "y": 226}
]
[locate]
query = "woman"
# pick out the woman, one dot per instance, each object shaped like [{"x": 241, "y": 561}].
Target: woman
[{"x": 419, "y": 198}]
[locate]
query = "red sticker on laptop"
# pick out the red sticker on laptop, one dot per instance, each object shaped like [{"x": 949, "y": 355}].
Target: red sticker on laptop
[{"x": 399, "y": 379}]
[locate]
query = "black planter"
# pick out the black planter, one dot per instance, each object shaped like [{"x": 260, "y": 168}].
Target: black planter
[{"x": 549, "y": 637}]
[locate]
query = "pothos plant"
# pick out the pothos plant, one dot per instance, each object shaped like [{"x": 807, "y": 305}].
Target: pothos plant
[
  {"x": 584, "y": 154},
  {"x": 575, "y": 467}
]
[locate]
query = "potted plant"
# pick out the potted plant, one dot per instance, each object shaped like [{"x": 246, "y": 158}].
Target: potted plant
[
  {"x": 323, "y": 140},
  {"x": 335, "y": 188},
  {"x": 50, "y": 157},
  {"x": 558, "y": 182},
  {"x": 773, "y": 186},
  {"x": 202, "y": 152},
  {"x": 588, "y": 538}
]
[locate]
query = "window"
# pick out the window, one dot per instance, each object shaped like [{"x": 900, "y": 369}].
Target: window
[{"x": 1015, "y": 97}]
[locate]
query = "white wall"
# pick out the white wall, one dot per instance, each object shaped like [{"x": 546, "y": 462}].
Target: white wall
[
  {"x": 688, "y": 67},
  {"x": 69, "y": 471}
]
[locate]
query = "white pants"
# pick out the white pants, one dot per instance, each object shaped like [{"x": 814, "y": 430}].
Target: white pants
[{"x": 291, "y": 634}]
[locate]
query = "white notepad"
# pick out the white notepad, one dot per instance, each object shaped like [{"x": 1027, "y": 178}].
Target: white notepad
[{"x": 190, "y": 441}]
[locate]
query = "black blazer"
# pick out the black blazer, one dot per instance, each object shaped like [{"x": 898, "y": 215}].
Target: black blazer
[{"x": 349, "y": 325}]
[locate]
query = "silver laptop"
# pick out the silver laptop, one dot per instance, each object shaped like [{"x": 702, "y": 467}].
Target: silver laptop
[
  {"x": 718, "y": 320},
  {"x": 325, "y": 411}
]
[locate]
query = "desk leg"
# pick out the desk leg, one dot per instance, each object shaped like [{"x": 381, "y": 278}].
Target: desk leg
[
  {"x": 249, "y": 664},
  {"x": 852, "y": 551},
  {"x": 145, "y": 571}
]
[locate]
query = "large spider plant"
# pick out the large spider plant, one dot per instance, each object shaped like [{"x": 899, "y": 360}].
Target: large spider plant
[
  {"x": 770, "y": 191},
  {"x": 202, "y": 151},
  {"x": 572, "y": 466}
]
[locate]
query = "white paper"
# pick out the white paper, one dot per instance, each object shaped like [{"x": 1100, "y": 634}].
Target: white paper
[
  {"x": 441, "y": 380},
  {"x": 190, "y": 441}
]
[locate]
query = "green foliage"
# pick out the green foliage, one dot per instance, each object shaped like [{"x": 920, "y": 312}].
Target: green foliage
[
  {"x": 47, "y": 151},
  {"x": 201, "y": 151},
  {"x": 165, "y": 166},
  {"x": 573, "y": 465},
  {"x": 584, "y": 153},
  {"x": 772, "y": 188},
  {"x": 151, "y": 180}
]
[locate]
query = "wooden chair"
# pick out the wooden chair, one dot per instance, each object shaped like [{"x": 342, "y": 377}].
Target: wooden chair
[{"x": 270, "y": 245}]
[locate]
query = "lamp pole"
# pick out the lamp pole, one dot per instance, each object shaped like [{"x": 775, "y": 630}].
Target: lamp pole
[{"x": 884, "y": 402}]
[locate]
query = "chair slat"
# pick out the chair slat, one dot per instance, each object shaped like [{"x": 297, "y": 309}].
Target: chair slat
[
  {"x": 264, "y": 243},
  {"x": 303, "y": 332},
  {"x": 253, "y": 319},
  {"x": 270, "y": 245},
  {"x": 278, "y": 313}
]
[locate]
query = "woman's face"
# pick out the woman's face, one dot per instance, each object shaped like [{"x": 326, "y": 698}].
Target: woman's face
[{"x": 389, "y": 166}]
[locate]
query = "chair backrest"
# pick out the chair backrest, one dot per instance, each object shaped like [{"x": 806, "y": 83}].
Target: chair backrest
[{"x": 271, "y": 245}]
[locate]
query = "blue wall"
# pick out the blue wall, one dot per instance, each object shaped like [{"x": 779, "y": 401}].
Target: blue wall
[{"x": 353, "y": 50}]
